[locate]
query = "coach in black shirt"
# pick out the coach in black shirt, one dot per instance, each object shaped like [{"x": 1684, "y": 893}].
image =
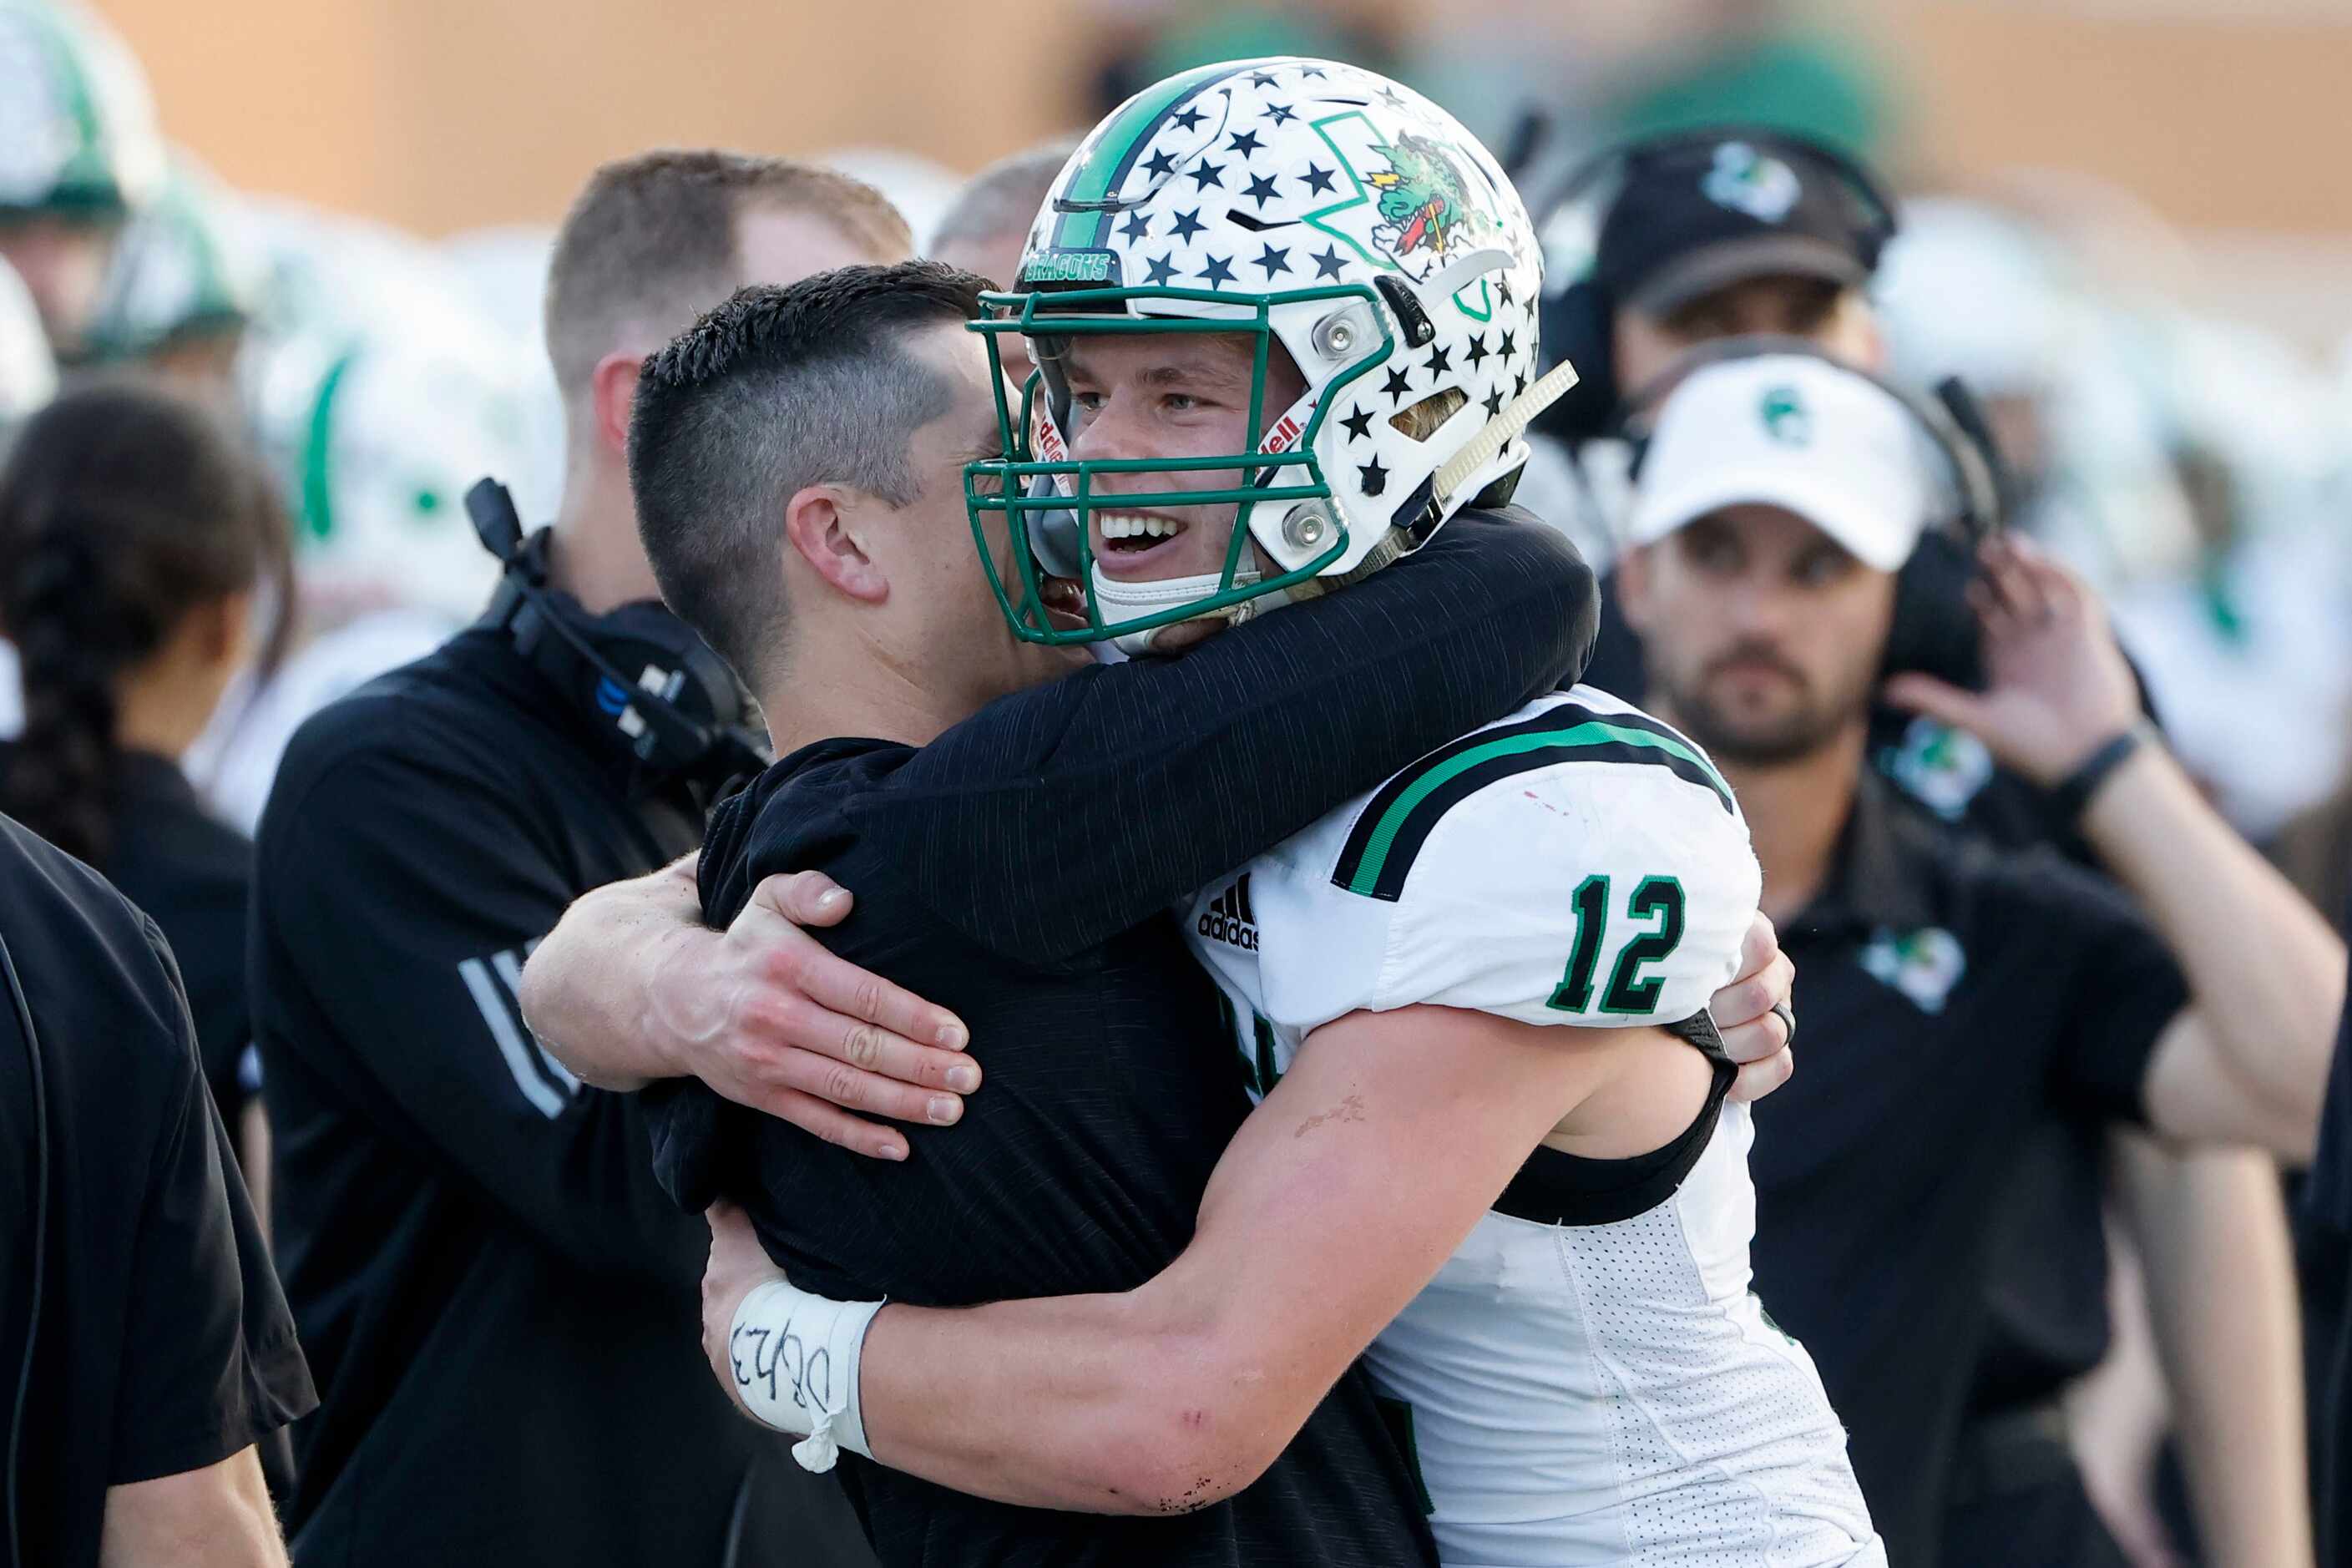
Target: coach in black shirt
[
  {"x": 499, "y": 1299},
  {"x": 136, "y": 1298},
  {"x": 1955, "y": 996}
]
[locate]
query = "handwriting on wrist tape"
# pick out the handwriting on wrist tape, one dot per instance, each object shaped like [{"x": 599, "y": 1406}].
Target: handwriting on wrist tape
[{"x": 785, "y": 1364}]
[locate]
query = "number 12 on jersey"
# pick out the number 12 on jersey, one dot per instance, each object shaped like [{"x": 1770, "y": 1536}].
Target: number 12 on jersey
[{"x": 1658, "y": 904}]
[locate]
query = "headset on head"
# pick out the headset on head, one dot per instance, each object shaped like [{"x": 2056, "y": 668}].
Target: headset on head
[
  {"x": 1933, "y": 630},
  {"x": 683, "y": 716},
  {"x": 1577, "y": 319}
]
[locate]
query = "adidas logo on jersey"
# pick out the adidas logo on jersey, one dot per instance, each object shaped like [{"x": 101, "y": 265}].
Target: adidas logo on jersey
[{"x": 1229, "y": 919}]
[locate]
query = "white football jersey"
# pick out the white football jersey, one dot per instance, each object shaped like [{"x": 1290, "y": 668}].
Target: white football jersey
[{"x": 1603, "y": 1390}]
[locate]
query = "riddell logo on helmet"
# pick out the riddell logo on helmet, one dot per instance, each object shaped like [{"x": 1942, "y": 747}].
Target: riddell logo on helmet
[
  {"x": 1279, "y": 438},
  {"x": 1229, "y": 919}
]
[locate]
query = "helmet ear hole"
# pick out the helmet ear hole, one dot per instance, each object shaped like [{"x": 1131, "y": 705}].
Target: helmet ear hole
[{"x": 1426, "y": 417}]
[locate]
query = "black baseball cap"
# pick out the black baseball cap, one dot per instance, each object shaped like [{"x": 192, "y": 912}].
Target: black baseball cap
[{"x": 1695, "y": 214}]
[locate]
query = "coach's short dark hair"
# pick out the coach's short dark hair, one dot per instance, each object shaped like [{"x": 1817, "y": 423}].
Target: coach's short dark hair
[
  {"x": 654, "y": 240},
  {"x": 778, "y": 389}
]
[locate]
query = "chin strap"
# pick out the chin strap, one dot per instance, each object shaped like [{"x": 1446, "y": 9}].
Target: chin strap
[
  {"x": 1498, "y": 432},
  {"x": 1120, "y": 601}
]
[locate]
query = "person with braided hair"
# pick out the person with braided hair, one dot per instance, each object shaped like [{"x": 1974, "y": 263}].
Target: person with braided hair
[{"x": 135, "y": 532}]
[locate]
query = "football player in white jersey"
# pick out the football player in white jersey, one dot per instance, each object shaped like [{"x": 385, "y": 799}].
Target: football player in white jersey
[{"x": 1586, "y": 1379}]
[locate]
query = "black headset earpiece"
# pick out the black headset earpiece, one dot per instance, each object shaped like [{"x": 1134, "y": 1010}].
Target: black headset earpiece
[
  {"x": 683, "y": 715},
  {"x": 1934, "y": 630}
]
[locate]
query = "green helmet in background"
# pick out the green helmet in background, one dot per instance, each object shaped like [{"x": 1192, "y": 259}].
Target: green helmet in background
[
  {"x": 77, "y": 133},
  {"x": 79, "y": 155},
  {"x": 186, "y": 272}
]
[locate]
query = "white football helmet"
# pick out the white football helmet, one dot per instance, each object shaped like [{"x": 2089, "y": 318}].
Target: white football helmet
[{"x": 1337, "y": 217}]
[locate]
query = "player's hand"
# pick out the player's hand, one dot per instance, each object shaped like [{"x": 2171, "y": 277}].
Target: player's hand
[
  {"x": 1753, "y": 1035},
  {"x": 737, "y": 1265},
  {"x": 767, "y": 1018},
  {"x": 2057, "y": 687}
]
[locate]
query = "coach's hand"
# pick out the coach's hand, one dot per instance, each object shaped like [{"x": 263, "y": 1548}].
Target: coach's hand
[
  {"x": 773, "y": 1021},
  {"x": 737, "y": 1265},
  {"x": 1756, "y": 1035},
  {"x": 631, "y": 986}
]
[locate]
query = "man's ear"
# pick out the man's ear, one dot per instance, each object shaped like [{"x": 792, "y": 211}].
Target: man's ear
[
  {"x": 1634, "y": 585},
  {"x": 821, "y": 523},
  {"x": 613, "y": 387}
]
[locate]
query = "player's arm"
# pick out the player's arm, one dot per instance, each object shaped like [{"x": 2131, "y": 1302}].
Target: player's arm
[
  {"x": 1022, "y": 827},
  {"x": 632, "y": 986},
  {"x": 2247, "y": 1061},
  {"x": 1389, "y": 1137}
]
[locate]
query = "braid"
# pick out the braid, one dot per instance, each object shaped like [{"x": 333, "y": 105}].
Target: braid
[
  {"x": 122, "y": 511},
  {"x": 61, "y": 783}
]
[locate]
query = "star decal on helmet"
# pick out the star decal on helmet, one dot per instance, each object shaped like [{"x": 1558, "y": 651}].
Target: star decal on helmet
[
  {"x": 1205, "y": 173},
  {"x": 1519, "y": 383},
  {"x": 1158, "y": 272},
  {"x": 1190, "y": 119},
  {"x": 1273, "y": 260},
  {"x": 1245, "y": 142},
  {"x": 1218, "y": 273},
  {"x": 1260, "y": 79},
  {"x": 1440, "y": 360},
  {"x": 1318, "y": 180},
  {"x": 1506, "y": 350},
  {"x": 1188, "y": 224},
  {"x": 1279, "y": 113},
  {"x": 1359, "y": 424},
  {"x": 1316, "y": 71},
  {"x": 1478, "y": 351},
  {"x": 1373, "y": 478},
  {"x": 1503, "y": 287},
  {"x": 1159, "y": 165},
  {"x": 1261, "y": 190},
  {"x": 1400, "y": 381},
  {"x": 1136, "y": 227},
  {"x": 1492, "y": 403}
]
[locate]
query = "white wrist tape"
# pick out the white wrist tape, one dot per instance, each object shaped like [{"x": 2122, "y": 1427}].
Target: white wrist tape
[{"x": 794, "y": 1360}]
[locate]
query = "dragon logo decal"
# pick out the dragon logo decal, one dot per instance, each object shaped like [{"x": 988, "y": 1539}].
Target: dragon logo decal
[{"x": 1426, "y": 218}]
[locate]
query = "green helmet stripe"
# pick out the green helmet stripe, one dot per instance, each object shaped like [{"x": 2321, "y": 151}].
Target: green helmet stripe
[
  {"x": 1123, "y": 143},
  {"x": 318, "y": 454}
]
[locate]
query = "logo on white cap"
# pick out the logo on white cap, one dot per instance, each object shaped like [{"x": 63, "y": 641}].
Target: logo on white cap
[
  {"x": 1750, "y": 182},
  {"x": 1786, "y": 419},
  {"x": 1795, "y": 432}
]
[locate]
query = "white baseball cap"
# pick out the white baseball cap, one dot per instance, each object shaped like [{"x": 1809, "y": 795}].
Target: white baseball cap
[{"x": 1797, "y": 432}]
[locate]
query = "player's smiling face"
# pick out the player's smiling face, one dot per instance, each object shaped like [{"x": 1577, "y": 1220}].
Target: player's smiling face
[{"x": 1167, "y": 395}]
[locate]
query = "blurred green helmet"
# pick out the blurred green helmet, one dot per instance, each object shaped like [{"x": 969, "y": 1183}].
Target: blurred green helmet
[
  {"x": 78, "y": 136},
  {"x": 183, "y": 269}
]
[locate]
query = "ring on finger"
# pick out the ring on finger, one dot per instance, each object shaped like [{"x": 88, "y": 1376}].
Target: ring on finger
[{"x": 1788, "y": 1017}]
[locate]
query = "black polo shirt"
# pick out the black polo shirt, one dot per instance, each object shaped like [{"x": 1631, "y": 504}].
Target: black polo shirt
[
  {"x": 193, "y": 873},
  {"x": 1020, "y": 870},
  {"x": 502, "y": 1306},
  {"x": 162, "y": 1344},
  {"x": 1955, "y": 996}
]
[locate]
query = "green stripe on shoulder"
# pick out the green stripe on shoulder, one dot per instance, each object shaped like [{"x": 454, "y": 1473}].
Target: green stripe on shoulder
[{"x": 1395, "y": 822}]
